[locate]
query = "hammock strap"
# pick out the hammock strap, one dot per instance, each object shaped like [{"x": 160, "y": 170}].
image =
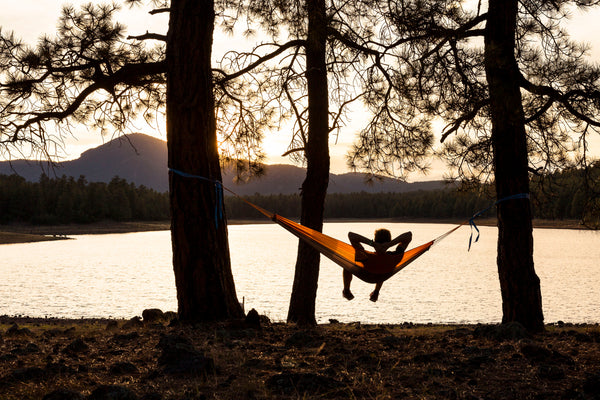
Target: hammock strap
[
  {"x": 218, "y": 192},
  {"x": 219, "y": 207},
  {"x": 479, "y": 213}
]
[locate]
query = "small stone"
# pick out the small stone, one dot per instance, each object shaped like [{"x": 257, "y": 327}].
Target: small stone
[
  {"x": 76, "y": 347},
  {"x": 63, "y": 394},
  {"x": 592, "y": 384},
  {"x": 122, "y": 368},
  {"x": 133, "y": 323},
  {"x": 535, "y": 353},
  {"x": 180, "y": 357},
  {"x": 112, "y": 325},
  {"x": 15, "y": 331},
  {"x": 302, "y": 339},
  {"x": 550, "y": 372},
  {"x": 153, "y": 315},
  {"x": 302, "y": 383},
  {"x": 112, "y": 392},
  {"x": 28, "y": 374}
]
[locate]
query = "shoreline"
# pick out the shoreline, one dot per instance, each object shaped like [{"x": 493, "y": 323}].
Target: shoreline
[
  {"x": 21, "y": 233},
  {"x": 158, "y": 358}
]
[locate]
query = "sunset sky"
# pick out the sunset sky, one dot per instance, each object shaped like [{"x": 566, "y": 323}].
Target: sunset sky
[{"x": 29, "y": 19}]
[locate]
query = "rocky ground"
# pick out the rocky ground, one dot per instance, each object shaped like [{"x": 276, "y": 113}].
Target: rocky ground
[{"x": 157, "y": 358}]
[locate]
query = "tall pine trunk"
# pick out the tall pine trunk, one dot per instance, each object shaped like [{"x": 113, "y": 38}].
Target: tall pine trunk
[
  {"x": 520, "y": 286},
  {"x": 205, "y": 288},
  {"x": 314, "y": 187}
]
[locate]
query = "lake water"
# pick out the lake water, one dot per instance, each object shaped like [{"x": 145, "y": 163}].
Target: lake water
[{"x": 122, "y": 274}]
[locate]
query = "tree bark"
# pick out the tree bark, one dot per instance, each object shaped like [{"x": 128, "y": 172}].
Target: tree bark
[
  {"x": 314, "y": 187},
  {"x": 520, "y": 286},
  {"x": 205, "y": 288}
]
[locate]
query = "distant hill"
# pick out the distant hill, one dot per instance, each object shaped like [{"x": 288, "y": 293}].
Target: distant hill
[{"x": 142, "y": 159}]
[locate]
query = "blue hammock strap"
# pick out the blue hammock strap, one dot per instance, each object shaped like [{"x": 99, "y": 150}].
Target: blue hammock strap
[
  {"x": 218, "y": 192},
  {"x": 479, "y": 213}
]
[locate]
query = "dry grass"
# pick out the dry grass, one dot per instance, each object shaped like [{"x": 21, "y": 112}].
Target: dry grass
[{"x": 279, "y": 361}]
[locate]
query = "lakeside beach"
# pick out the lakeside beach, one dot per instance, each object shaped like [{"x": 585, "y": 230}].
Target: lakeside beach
[{"x": 20, "y": 233}]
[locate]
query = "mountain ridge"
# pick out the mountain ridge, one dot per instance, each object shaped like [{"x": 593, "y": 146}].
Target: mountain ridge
[{"x": 142, "y": 159}]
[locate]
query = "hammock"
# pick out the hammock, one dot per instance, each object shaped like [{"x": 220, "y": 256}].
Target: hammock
[{"x": 377, "y": 267}]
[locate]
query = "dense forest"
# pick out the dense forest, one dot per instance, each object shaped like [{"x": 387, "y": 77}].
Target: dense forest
[
  {"x": 569, "y": 194},
  {"x": 67, "y": 200}
]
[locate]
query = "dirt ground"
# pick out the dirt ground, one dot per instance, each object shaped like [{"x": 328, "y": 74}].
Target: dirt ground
[{"x": 158, "y": 358}]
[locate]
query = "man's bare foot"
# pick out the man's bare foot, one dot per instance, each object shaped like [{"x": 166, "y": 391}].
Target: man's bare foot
[
  {"x": 374, "y": 296},
  {"x": 347, "y": 294}
]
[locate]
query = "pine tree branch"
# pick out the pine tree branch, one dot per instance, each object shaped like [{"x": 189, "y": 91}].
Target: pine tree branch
[
  {"x": 261, "y": 60},
  {"x": 565, "y": 99},
  {"x": 131, "y": 74},
  {"x": 149, "y": 36}
]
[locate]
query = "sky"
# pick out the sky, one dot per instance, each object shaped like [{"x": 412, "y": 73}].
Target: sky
[{"x": 30, "y": 19}]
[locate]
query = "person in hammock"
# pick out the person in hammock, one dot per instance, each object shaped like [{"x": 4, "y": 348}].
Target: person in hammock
[{"x": 381, "y": 242}]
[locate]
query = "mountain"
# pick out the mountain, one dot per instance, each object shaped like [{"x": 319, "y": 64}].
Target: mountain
[
  {"x": 138, "y": 158},
  {"x": 142, "y": 159}
]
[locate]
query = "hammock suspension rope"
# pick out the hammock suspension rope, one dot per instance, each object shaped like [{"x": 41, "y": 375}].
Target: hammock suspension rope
[{"x": 377, "y": 268}]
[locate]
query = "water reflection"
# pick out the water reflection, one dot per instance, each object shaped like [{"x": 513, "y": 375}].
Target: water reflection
[{"x": 120, "y": 275}]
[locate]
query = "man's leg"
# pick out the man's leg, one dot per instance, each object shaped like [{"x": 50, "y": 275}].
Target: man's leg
[
  {"x": 375, "y": 294},
  {"x": 347, "y": 276}
]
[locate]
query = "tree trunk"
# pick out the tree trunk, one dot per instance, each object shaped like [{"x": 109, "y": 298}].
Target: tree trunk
[
  {"x": 205, "y": 288},
  {"x": 520, "y": 286},
  {"x": 314, "y": 188}
]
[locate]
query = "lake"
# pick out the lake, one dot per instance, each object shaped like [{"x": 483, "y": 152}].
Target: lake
[{"x": 120, "y": 275}]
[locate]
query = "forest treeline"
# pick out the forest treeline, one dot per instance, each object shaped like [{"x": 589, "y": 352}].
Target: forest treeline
[
  {"x": 569, "y": 194},
  {"x": 67, "y": 200}
]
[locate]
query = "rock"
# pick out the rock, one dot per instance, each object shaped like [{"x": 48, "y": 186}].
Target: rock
[
  {"x": 152, "y": 396},
  {"x": 550, "y": 372},
  {"x": 8, "y": 357},
  {"x": 55, "y": 368},
  {"x": 252, "y": 319},
  {"x": 77, "y": 346},
  {"x": 180, "y": 357},
  {"x": 133, "y": 323},
  {"x": 15, "y": 331},
  {"x": 502, "y": 332},
  {"x": 29, "y": 348},
  {"x": 125, "y": 338},
  {"x": 112, "y": 325},
  {"x": 123, "y": 368},
  {"x": 591, "y": 384},
  {"x": 425, "y": 358},
  {"x": 391, "y": 341},
  {"x": 153, "y": 315},
  {"x": 302, "y": 339},
  {"x": 536, "y": 353},
  {"x": 28, "y": 374},
  {"x": 112, "y": 392},
  {"x": 63, "y": 394},
  {"x": 301, "y": 383}
]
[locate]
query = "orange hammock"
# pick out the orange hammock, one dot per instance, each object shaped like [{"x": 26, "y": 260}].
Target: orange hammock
[{"x": 377, "y": 268}]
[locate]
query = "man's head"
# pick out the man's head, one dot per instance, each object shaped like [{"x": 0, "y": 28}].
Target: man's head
[{"x": 382, "y": 236}]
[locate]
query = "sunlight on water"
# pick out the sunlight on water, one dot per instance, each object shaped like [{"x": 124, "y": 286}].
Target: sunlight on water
[{"x": 120, "y": 275}]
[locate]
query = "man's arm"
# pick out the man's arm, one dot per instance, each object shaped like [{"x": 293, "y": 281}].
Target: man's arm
[
  {"x": 355, "y": 238},
  {"x": 405, "y": 239}
]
